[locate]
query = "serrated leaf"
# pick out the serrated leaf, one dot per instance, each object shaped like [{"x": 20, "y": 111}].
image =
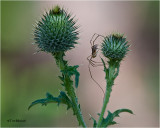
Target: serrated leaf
[
  {"x": 105, "y": 69},
  {"x": 61, "y": 78},
  {"x": 49, "y": 96},
  {"x": 117, "y": 112},
  {"x": 112, "y": 123},
  {"x": 65, "y": 99},
  {"x": 70, "y": 71},
  {"x": 94, "y": 122},
  {"x": 77, "y": 79},
  {"x": 62, "y": 98},
  {"x": 104, "y": 65},
  {"x": 109, "y": 120},
  {"x": 79, "y": 106}
]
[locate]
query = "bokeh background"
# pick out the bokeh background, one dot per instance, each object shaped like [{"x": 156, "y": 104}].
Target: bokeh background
[{"x": 26, "y": 76}]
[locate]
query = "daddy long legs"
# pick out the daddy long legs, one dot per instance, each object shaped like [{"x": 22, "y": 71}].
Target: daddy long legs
[{"x": 94, "y": 48}]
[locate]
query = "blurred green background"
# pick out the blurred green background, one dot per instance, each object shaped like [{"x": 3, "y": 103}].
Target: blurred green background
[{"x": 26, "y": 76}]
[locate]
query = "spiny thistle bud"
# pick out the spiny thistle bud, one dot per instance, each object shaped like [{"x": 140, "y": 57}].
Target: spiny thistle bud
[
  {"x": 115, "y": 46},
  {"x": 56, "y": 32}
]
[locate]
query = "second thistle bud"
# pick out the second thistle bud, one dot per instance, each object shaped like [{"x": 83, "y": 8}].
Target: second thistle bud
[{"x": 115, "y": 46}]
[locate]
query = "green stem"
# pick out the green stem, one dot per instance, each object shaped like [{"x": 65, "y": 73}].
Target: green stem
[
  {"x": 76, "y": 108},
  {"x": 106, "y": 100},
  {"x": 62, "y": 64},
  {"x": 110, "y": 76}
]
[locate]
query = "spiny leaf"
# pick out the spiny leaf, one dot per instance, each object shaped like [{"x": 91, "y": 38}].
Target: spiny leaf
[
  {"x": 70, "y": 71},
  {"x": 49, "y": 99},
  {"x": 62, "y": 98},
  {"x": 117, "y": 112},
  {"x": 77, "y": 79},
  {"x": 49, "y": 96},
  {"x": 104, "y": 65},
  {"x": 65, "y": 99},
  {"x": 94, "y": 122},
  {"x": 61, "y": 78},
  {"x": 109, "y": 120},
  {"x": 105, "y": 69}
]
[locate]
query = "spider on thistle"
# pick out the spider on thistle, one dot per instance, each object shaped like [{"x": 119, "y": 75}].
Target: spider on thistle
[{"x": 94, "y": 48}]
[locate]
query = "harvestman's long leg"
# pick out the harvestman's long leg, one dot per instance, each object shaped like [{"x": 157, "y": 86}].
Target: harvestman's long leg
[
  {"x": 91, "y": 39},
  {"x": 92, "y": 62},
  {"x": 91, "y": 74},
  {"x": 98, "y": 35},
  {"x": 95, "y": 61},
  {"x": 95, "y": 65},
  {"x": 89, "y": 58}
]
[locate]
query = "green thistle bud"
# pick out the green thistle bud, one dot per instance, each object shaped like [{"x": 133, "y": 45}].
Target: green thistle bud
[
  {"x": 115, "y": 46},
  {"x": 56, "y": 32},
  {"x": 56, "y": 10}
]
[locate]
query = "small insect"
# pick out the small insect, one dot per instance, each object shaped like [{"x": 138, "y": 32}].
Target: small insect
[{"x": 94, "y": 48}]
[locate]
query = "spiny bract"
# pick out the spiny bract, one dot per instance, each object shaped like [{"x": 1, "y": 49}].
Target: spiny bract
[
  {"x": 56, "y": 32},
  {"x": 115, "y": 46}
]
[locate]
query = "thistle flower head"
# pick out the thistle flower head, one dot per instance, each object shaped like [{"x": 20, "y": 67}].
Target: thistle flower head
[
  {"x": 115, "y": 46},
  {"x": 56, "y": 32}
]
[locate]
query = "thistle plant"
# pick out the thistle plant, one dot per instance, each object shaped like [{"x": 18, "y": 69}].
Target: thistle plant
[
  {"x": 114, "y": 47},
  {"x": 56, "y": 33}
]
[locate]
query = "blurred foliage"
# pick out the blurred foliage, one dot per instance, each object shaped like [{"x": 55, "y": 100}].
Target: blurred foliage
[
  {"x": 17, "y": 19},
  {"x": 28, "y": 85},
  {"x": 24, "y": 77}
]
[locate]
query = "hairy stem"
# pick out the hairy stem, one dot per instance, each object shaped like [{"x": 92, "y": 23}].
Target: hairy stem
[
  {"x": 106, "y": 100},
  {"x": 68, "y": 84},
  {"x": 111, "y": 74}
]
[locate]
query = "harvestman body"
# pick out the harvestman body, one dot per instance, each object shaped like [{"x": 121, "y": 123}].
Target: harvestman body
[{"x": 94, "y": 48}]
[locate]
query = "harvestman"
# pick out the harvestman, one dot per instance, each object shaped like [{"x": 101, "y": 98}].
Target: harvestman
[{"x": 94, "y": 48}]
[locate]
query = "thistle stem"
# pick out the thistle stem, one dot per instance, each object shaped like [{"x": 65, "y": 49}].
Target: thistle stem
[
  {"x": 106, "y": 100},
  {"x": 62, "y": 64},
  {"x": 110, "y": 76}
]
